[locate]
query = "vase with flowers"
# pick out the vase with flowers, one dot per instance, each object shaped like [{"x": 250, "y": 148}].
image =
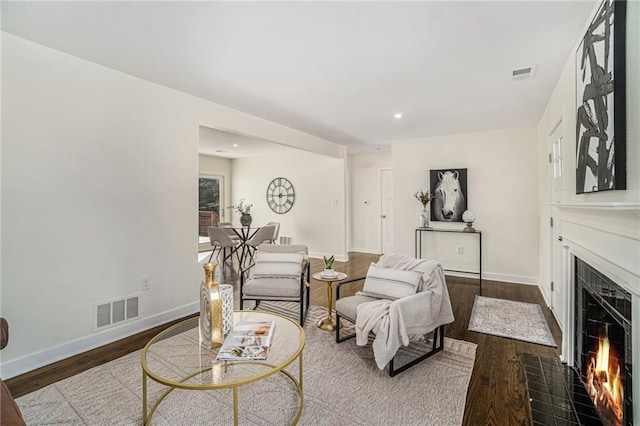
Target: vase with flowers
[
  {"x": 424, "y": 197},
  {"x": 245, "y": 212}
]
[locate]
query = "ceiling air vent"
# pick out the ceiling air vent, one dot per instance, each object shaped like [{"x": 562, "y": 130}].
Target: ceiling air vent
[{"x": 524, "y": 73}]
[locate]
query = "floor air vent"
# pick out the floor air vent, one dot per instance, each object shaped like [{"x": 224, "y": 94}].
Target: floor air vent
[
  {"x": 115, "y": 311},
  {"x": 286, "y": 240}
]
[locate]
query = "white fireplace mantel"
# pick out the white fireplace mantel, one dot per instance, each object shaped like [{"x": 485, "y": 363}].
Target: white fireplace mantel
[
  {"x": 630, "y": 206},
  {"x": 606, "y": 235}
]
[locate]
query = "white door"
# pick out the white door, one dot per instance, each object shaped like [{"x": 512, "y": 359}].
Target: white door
[
  {"x": 386, "y": 211},
  {"x": 556, "y": 176}
]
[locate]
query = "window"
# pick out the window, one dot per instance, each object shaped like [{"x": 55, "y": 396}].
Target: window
[
  {"x": 210, "y": 199},
  {"x": 556, "y": 158}
]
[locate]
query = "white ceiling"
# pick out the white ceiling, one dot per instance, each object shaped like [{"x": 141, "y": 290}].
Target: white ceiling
[
  {"x": 221, "y": 143},
  {"x": 338, "y": 70}
]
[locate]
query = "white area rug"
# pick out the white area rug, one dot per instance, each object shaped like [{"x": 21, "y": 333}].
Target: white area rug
[
  {"x": 515, "y": 320},
  {"x": 342, "y": 386}
]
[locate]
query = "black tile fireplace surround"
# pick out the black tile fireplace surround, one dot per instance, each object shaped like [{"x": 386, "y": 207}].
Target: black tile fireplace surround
[{"x": 603, "y": 309}]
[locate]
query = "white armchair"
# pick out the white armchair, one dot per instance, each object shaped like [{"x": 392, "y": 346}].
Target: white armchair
[
  {"x": 279, "y": 273},
  {"x": 403, "y": 299}
]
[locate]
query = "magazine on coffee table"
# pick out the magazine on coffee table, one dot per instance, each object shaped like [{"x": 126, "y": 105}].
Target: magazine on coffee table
[{"x": 247, "y": 341}]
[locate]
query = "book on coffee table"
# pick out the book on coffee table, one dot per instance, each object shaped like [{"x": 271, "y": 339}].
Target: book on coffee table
[{"x": 247, "y": 341}]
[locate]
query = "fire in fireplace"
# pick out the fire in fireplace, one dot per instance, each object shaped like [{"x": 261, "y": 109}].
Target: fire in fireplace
[
  {"x": 604, "y": 382},
  {"x": 603, "y": 344}
]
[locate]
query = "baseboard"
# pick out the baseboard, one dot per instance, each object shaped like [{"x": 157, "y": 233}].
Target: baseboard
[
  {"x": 492, "y": 276},
  {"x": 363, "y": 250},
  {"x": 338, "y": 258},
  {"x": 30, "y": 362},
  {"x": 547, "y": 298}
]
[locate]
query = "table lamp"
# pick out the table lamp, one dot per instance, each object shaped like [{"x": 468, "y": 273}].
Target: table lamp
[{"x": 469, "y": 217}]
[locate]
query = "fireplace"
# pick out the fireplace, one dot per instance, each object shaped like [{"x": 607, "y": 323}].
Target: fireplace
[{"x": 603, "y": 346}]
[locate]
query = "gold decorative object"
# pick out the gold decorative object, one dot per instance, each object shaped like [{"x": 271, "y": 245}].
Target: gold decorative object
[
  {"x": 328, "y": 323},
  {"x": 211, "y": 329}
]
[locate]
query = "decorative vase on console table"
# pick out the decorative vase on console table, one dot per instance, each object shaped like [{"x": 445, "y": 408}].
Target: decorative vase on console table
[
  {"x": 424, "y": 218},
  {"x": 424, "y": 197}
]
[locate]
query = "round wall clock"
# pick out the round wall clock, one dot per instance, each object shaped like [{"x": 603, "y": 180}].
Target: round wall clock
[{"x": 280, "y": 195}]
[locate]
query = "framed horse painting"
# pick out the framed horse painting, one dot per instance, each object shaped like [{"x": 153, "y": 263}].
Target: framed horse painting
[{"x": 449, "y": 189}]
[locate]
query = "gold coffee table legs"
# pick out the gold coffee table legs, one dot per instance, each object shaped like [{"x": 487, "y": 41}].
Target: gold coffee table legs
[
  {"x": 147, "y": 414},
  {"x": 328, "y": 323}
]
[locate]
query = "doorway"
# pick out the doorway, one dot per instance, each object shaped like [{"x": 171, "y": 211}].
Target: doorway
[
  {"x": 386, "y": 211},
  {"x": 210, "y": 198},
  {"x": 556, "y": 195}
]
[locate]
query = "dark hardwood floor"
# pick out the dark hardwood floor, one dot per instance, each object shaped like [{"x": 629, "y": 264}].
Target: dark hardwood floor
[{"x": 497, "y": 393}]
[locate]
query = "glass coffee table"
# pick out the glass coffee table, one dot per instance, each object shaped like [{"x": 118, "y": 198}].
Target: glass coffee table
[{"x": 176, "y": 359}]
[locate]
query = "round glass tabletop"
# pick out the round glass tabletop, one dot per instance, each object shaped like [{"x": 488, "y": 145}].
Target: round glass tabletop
[{"x": 176, "y": 358}]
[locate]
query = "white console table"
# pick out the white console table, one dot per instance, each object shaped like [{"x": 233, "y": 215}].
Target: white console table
[{"x": 418, "y": 248}]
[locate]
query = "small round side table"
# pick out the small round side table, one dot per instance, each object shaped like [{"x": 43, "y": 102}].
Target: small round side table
[{"x": 328, "y": 323}]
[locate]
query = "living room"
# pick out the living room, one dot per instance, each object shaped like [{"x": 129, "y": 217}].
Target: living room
[{"x": 99, "y": 169}]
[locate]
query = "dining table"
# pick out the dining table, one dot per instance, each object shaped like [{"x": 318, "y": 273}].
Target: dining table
[{"x": 244, "y": 233}]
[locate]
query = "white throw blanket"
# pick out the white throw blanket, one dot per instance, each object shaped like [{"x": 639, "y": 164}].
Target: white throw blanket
[{"x": 396, "y": 322}]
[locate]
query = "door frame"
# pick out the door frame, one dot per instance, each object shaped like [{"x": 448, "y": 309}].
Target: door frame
[
  {"x": 557, "y": 293},
  {"x": 380, "y": 172}
]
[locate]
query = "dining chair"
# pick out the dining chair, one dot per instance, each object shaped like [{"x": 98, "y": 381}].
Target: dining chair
[
  {"x": 221, "y": 241},
  {"x": 227, "y": 226},
  {"x": 276, "y": 232},
  {"x": 263, "y": 235}
]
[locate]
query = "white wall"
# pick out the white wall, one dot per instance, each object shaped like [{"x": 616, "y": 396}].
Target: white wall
[
  {"x": 562, "y": 105},
  {"x": 218, "y": 166},
  {"x": 502, "y": 191},
  {"x": 99, "y": 188},
  {"x": 601, "y": 228},
  {"x": 364, "y": 175},
  {"x": 317, "y": 218}
]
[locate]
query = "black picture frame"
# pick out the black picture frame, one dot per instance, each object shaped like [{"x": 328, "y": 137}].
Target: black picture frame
[
  {"x": 600, "y": 101},
  {"x": 454, "y": 190}
]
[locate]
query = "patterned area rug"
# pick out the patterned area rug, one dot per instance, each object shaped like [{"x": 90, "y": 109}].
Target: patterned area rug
[
  {"x": 342, "y": 386},
  {"x": 515, "y": 320}
]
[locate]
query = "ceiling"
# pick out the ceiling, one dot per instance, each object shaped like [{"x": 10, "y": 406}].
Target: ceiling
[
  {"x": 221, "y": 143},
  {"x": 337, "y": 70}
]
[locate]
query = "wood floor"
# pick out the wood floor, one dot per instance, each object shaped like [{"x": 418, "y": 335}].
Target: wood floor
[{"x": 497, "y": 393}]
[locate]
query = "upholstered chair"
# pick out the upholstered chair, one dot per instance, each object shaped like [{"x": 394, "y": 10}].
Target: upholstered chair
[
  {"x": 264, "y": 235},
  {"x": 403, "y": 300},
  {"x": 279, "y": 273},
  {"x": 227, "y": 226},
  {"x": 220, "y": 241},
  {"x": 276, "y": 233},
  {"x": 10, "y": 412}
]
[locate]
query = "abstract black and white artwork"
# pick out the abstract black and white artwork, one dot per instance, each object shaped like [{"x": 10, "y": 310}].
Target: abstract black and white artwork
[
  {"x": 449, "y": 189},
  {"x": 600, "y": 102}
]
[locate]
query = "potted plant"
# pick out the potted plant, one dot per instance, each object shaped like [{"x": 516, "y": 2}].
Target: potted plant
[
  {"x": 328, "y": 266},
  {"x": 424, "y": 197},
  {"x": 245, "y": 212}
]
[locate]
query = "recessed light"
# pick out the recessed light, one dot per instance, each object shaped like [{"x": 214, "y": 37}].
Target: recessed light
[
  {"x": 397, "y": 115},
  {"x": 235, "y": 145}
]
